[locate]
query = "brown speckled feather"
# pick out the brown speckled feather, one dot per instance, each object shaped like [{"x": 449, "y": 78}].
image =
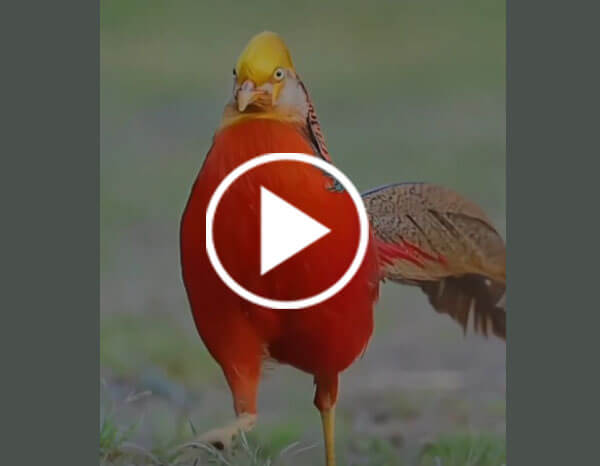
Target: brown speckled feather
[
  {"x": 434, "y": 238},
  {"x": 314, "y": 127}
]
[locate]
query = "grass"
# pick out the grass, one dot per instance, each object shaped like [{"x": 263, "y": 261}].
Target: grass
[
  {"x": 117, "y": 445},
  {"x": 118, "y": 448},
  {"x": 456, "y": 450},
  {"x": 373, "y": 452},
  {"x": 115, "y": 439},
  {"x": 465, "y": 450},
  {"x": 132, "y": 346}
]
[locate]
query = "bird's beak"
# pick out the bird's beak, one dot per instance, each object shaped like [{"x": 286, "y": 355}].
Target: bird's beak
[{"x": 246, "y": 95}]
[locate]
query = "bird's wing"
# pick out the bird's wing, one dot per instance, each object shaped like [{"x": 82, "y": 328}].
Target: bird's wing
[{"x": 434, "y": 238}]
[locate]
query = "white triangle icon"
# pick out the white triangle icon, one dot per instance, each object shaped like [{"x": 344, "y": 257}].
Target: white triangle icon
[{"x": 284, "y": 230}]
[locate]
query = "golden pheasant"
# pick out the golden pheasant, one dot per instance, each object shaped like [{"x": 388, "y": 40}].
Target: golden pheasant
[{"x": 422, "y": 235}]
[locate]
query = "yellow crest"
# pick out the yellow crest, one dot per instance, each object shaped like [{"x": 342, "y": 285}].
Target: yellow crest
[{"x": 261, "y": 57}]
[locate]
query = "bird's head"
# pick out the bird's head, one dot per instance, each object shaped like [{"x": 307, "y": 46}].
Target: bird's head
[{"x": 265, "y": 80}]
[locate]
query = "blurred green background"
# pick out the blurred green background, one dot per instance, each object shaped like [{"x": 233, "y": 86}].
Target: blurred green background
[{"x": 406, "y": 91}]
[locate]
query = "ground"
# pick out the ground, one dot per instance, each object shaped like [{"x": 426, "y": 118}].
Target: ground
[
  {"x": 397, "y": 401},
  {"x": 407, "y": 91}
]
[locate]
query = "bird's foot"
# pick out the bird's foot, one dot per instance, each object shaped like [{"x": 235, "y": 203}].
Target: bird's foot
[{"x": 222, "y": 437}]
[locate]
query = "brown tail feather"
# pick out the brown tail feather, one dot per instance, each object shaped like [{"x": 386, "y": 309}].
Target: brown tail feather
[
  {"x": 434, "y": 238},
  {"x": 458, "y": 296}
]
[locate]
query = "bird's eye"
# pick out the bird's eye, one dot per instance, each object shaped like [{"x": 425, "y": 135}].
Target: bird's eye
[
  {"x": 234, "y": 73},
  {"x": 279, "y": 74}
]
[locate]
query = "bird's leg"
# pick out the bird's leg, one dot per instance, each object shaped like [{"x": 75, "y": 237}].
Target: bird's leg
[
  {"x": 243, "y": 382},
  {"x": 325, "y": 399},
  {"x": 328, "y": 421}
]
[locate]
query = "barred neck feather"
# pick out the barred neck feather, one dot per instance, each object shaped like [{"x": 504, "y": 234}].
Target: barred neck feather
[{"x": 314, "y": 127}]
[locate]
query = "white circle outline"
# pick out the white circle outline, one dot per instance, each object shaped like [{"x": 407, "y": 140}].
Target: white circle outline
[{"x": 276, "y": 303}]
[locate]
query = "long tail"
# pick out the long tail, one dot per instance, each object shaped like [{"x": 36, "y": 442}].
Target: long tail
[{"x": 431, "y": 237}]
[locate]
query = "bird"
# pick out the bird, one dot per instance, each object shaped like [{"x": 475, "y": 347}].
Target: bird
[{"x": 421, "y": 235}]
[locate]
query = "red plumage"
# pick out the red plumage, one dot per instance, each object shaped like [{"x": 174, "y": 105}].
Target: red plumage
[{"x": 322, "y": 340}]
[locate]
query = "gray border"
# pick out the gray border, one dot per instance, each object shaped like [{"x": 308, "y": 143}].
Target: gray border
[
  {"x": 553, "y": 318},
  {"x": 50, "y": 242},
  {"x": 50, "y": 136}
]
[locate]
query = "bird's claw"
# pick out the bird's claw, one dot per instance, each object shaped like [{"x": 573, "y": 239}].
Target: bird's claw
[{"x": 223, "y": 437}]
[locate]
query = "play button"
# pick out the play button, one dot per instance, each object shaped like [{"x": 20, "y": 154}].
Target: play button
[
  {"x": 284, "y": 230},
  {"x": 285, "y": 233}
]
